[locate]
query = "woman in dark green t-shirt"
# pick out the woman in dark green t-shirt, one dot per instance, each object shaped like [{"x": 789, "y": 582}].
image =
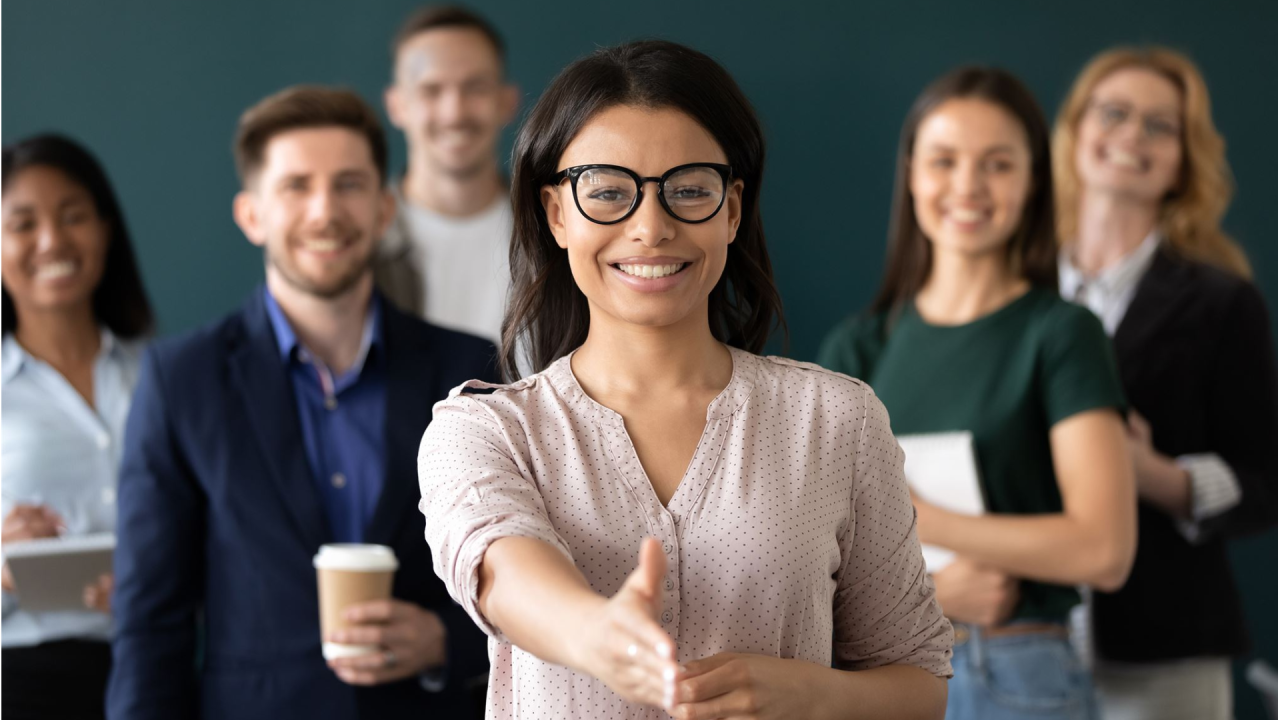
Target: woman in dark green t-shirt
[{"x": 968, "y": 334}]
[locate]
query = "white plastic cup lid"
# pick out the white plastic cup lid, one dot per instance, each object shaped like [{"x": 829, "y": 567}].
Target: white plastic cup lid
[{"x": 356, "y": 557}]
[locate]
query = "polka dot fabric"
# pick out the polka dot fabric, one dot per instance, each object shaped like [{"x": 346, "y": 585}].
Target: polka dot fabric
[{"x": 791, "y": 533}]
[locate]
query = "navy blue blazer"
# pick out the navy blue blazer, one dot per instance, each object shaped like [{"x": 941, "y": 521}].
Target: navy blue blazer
[{"x": 220, "y": 519}]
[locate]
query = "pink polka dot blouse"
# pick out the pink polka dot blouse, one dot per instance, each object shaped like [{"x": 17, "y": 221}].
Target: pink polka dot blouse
[{"x": 791, "y": 534}]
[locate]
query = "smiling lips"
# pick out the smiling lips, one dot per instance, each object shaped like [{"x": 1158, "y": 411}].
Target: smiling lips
[
  {"x": 56, "y": 270},
  {"x": 1125, "y": 160},
  {"x": 650, "y": 275}
]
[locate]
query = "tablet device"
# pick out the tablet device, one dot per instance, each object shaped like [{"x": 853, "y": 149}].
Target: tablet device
[
  {"x": 51, "y": 573},
  {"x": 941, "y": 469}
]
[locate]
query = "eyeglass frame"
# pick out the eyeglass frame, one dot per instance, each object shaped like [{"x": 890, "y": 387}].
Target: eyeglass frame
[
  {"x": 1144, "y": 120},
  {"x": 574, "y": 173}
]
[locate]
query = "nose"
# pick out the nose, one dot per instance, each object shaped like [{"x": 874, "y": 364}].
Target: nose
[
  {"x": 450, "y": 106},
  {"x": 969, "y": 180},
  {"x": 49, "y": 236},
  {"x": 651, "y": 224},
  {"x": 321, "y": 207}
]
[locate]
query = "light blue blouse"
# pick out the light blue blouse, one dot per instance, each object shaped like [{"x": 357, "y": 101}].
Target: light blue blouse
[{"x": 58, "y": 451}]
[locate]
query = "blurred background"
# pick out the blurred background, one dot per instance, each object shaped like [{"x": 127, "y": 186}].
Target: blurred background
[{"x": 155, "y": 88}]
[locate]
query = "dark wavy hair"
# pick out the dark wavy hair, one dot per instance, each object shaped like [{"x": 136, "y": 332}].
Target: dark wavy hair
[
  {"x": 119, "y": 301},
  {"x": 545, "y": 305},
  {"x": 1031, "y": 251}
]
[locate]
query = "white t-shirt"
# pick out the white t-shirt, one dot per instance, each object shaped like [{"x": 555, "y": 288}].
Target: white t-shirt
[{"x": 464, "y": 263}]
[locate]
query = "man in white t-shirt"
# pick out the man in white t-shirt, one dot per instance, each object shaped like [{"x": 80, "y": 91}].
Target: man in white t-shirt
[{"x": 445, "y": 256}]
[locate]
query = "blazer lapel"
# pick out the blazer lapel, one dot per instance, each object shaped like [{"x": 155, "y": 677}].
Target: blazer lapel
[
  {"x": 1156, "y": 302},
  {"x": 271, "y": 412},
  {"x": 410, "y": 379}
]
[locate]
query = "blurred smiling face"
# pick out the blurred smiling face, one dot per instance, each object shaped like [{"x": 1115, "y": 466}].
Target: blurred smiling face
[
  {"x": 1129, "y": 139},
  {"x": 317, "y": 208},
  {"x": 450, "y": 99},
  {"x": 54, "y": 242},
  {"x": 649, "y": 269},
  {"x": 970, "y": 176}
]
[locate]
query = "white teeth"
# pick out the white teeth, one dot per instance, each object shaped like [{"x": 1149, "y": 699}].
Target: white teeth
[
  {"x": 964, "y": 215},
  {"x": 56, "y": 270},
  {"x": 651, "y": 271},
  {"x": 1125, "y": 159},
  {"x": 322, "y": 246}
]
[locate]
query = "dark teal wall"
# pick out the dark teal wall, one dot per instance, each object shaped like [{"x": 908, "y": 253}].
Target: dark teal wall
[{"x": 155, "y": 89}]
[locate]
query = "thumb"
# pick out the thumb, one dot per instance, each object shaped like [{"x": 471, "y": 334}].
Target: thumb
[{"x": 646, "y": 579}]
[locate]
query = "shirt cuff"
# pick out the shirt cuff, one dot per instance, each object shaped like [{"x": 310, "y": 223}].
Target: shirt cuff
[
  {"x": 435, "y": 679},
  {"x": 1214, "y": 489}
]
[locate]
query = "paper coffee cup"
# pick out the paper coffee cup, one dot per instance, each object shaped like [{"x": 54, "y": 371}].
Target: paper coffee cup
[{"x": 349, "y": 574}]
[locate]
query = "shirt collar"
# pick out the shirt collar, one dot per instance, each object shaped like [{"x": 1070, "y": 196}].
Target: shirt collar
[
  {"x": 13, "y": 356},
  {"x": 287, "y": 342},
  {"x": 1115, "y": 279}
]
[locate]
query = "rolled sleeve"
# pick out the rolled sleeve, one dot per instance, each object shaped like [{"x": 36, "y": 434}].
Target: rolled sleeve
[
  {"x": 475, "y": 491},
  {"x": 885, "y": 608}
]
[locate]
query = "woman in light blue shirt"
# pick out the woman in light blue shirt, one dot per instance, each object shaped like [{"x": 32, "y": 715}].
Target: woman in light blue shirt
[{"x": 74, "y": 314}]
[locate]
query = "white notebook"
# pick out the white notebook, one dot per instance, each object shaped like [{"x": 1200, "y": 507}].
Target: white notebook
[
  {"x": 51, "y": 573},
  {"x": 941, "y": 469}
]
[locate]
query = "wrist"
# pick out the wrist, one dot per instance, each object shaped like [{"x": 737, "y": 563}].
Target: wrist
[
  {"x": 826, "y": 692},
  {"x": 586, "y": 621}
]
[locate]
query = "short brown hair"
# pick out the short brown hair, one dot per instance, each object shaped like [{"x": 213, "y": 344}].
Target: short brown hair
[
  {"x": 437, "y": 17},
  {"x": 305, "y": 106}
]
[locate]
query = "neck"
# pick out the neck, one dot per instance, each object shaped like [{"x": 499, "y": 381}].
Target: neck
[
  {"x": 330, "y": 328},
  {"x": 622, "y": 360},
  {"x": 448, "y": 193},
  {"x": 962, "y": 287},
  {"x": 1109, "y": 229},
  {"x": 65, "y": 338}
]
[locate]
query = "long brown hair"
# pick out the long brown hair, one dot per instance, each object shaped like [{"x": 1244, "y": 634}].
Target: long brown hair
[
  {"x": 545, "y": 306},
  {"x": 1031, "y": 251},
  {"x": 1191, "y": 212}
]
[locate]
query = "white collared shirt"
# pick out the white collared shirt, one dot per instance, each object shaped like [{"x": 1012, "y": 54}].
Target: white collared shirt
[
  {"x": 1109, "y": 294},
  {"x": 55, "y": 450}
]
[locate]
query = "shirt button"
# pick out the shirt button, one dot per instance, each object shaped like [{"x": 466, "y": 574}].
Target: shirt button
[
  {"x": 666, "y": 548},
  {"x": 339, "y": 480},
  {"x": 669, "y": 584},
  {"x": 330, "y": 403},
  {"x": 667, "y": 617}
]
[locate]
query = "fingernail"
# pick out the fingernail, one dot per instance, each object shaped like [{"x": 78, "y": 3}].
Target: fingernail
[
  {"x": 663, "y": 649},
  {"x": 669, "y": 675}
]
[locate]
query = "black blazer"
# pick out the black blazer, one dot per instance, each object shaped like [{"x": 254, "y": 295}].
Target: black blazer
[
  {"x": 220, "y": 518},
  {"x": 1197, "y": 360}
]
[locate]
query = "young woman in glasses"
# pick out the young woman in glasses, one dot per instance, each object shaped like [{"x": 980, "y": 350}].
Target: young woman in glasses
[
  {"x": 660, "y": 520},
  {"x": 968, "y": 334},
  {"x": 1142, "y": 183}
]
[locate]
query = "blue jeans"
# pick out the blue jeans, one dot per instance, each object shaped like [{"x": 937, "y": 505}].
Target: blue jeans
[{"x": 1035, "y": 676}]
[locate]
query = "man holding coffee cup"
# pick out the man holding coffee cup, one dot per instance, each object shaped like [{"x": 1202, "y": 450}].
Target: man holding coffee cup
[{"x": 290, "y": 426}]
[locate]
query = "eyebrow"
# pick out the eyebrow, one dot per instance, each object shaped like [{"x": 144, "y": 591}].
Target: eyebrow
[
  {"x": 63, "y": 204},
  {"x": 940, "y": 147},
  {"x": 1157, "y": 109}
]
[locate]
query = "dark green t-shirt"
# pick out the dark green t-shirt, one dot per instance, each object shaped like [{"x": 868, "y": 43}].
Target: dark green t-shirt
[{"x": 1007, "y": 378}]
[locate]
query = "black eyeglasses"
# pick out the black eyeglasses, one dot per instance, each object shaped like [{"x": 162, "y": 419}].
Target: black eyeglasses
[{"x": 608, "y": 194}]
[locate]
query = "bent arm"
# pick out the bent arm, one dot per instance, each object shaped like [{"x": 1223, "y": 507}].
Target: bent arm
[{"x": 1092, "y": 541}]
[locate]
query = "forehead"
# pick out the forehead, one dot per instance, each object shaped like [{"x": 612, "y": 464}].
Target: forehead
[
  {"x": 317, "y": 150},
  {"x": 971, "y": 124},
  {"x": 1139, "y": 86},
  {"x": 41, "y": 184},
  {"x": 446, "y": 53},
  {"x": 648, "y": 141}
]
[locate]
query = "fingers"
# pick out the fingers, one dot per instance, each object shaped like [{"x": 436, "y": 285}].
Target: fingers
[
  {"x": 376, "y": 611},
  {"x": 646, "y": 579}
]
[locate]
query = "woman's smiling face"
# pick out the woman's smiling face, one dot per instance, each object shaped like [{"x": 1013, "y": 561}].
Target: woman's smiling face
[{"x": 650, "y": 269}]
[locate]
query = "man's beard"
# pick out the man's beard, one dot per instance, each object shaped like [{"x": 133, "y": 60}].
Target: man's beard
[
  {"x": 333, "y": 288},
  {"x": 476, "y": 167}
]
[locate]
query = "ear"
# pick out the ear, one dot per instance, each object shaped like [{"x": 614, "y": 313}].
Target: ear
[
  {"x": 393, "y": 98},
  {"x": 244, "y": 209},
  {"x": 388, "y": 212},
  {"x": 554, "y": 207},
  {"x": 509, "y": 103},
  {"x": 734, "y": 208}
]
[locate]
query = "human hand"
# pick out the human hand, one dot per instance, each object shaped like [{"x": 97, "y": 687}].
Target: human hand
[
  {"x": 972, "y": 593},
  {"x": 27, "y": 522},
  {"x": 928, "y": 519},
  {"x": 739, "y": 685},
  {"x": 623, "y": 644},
  {"x": 97, "y": 596},
  {"x": 412, "y": 638}
]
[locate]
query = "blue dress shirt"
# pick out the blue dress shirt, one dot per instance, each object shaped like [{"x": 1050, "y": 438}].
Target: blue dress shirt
[{"x": 341, "y": 418}]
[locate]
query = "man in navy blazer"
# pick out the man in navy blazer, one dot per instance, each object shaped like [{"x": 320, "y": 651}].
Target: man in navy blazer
[{"x": 289, "y": 424}]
